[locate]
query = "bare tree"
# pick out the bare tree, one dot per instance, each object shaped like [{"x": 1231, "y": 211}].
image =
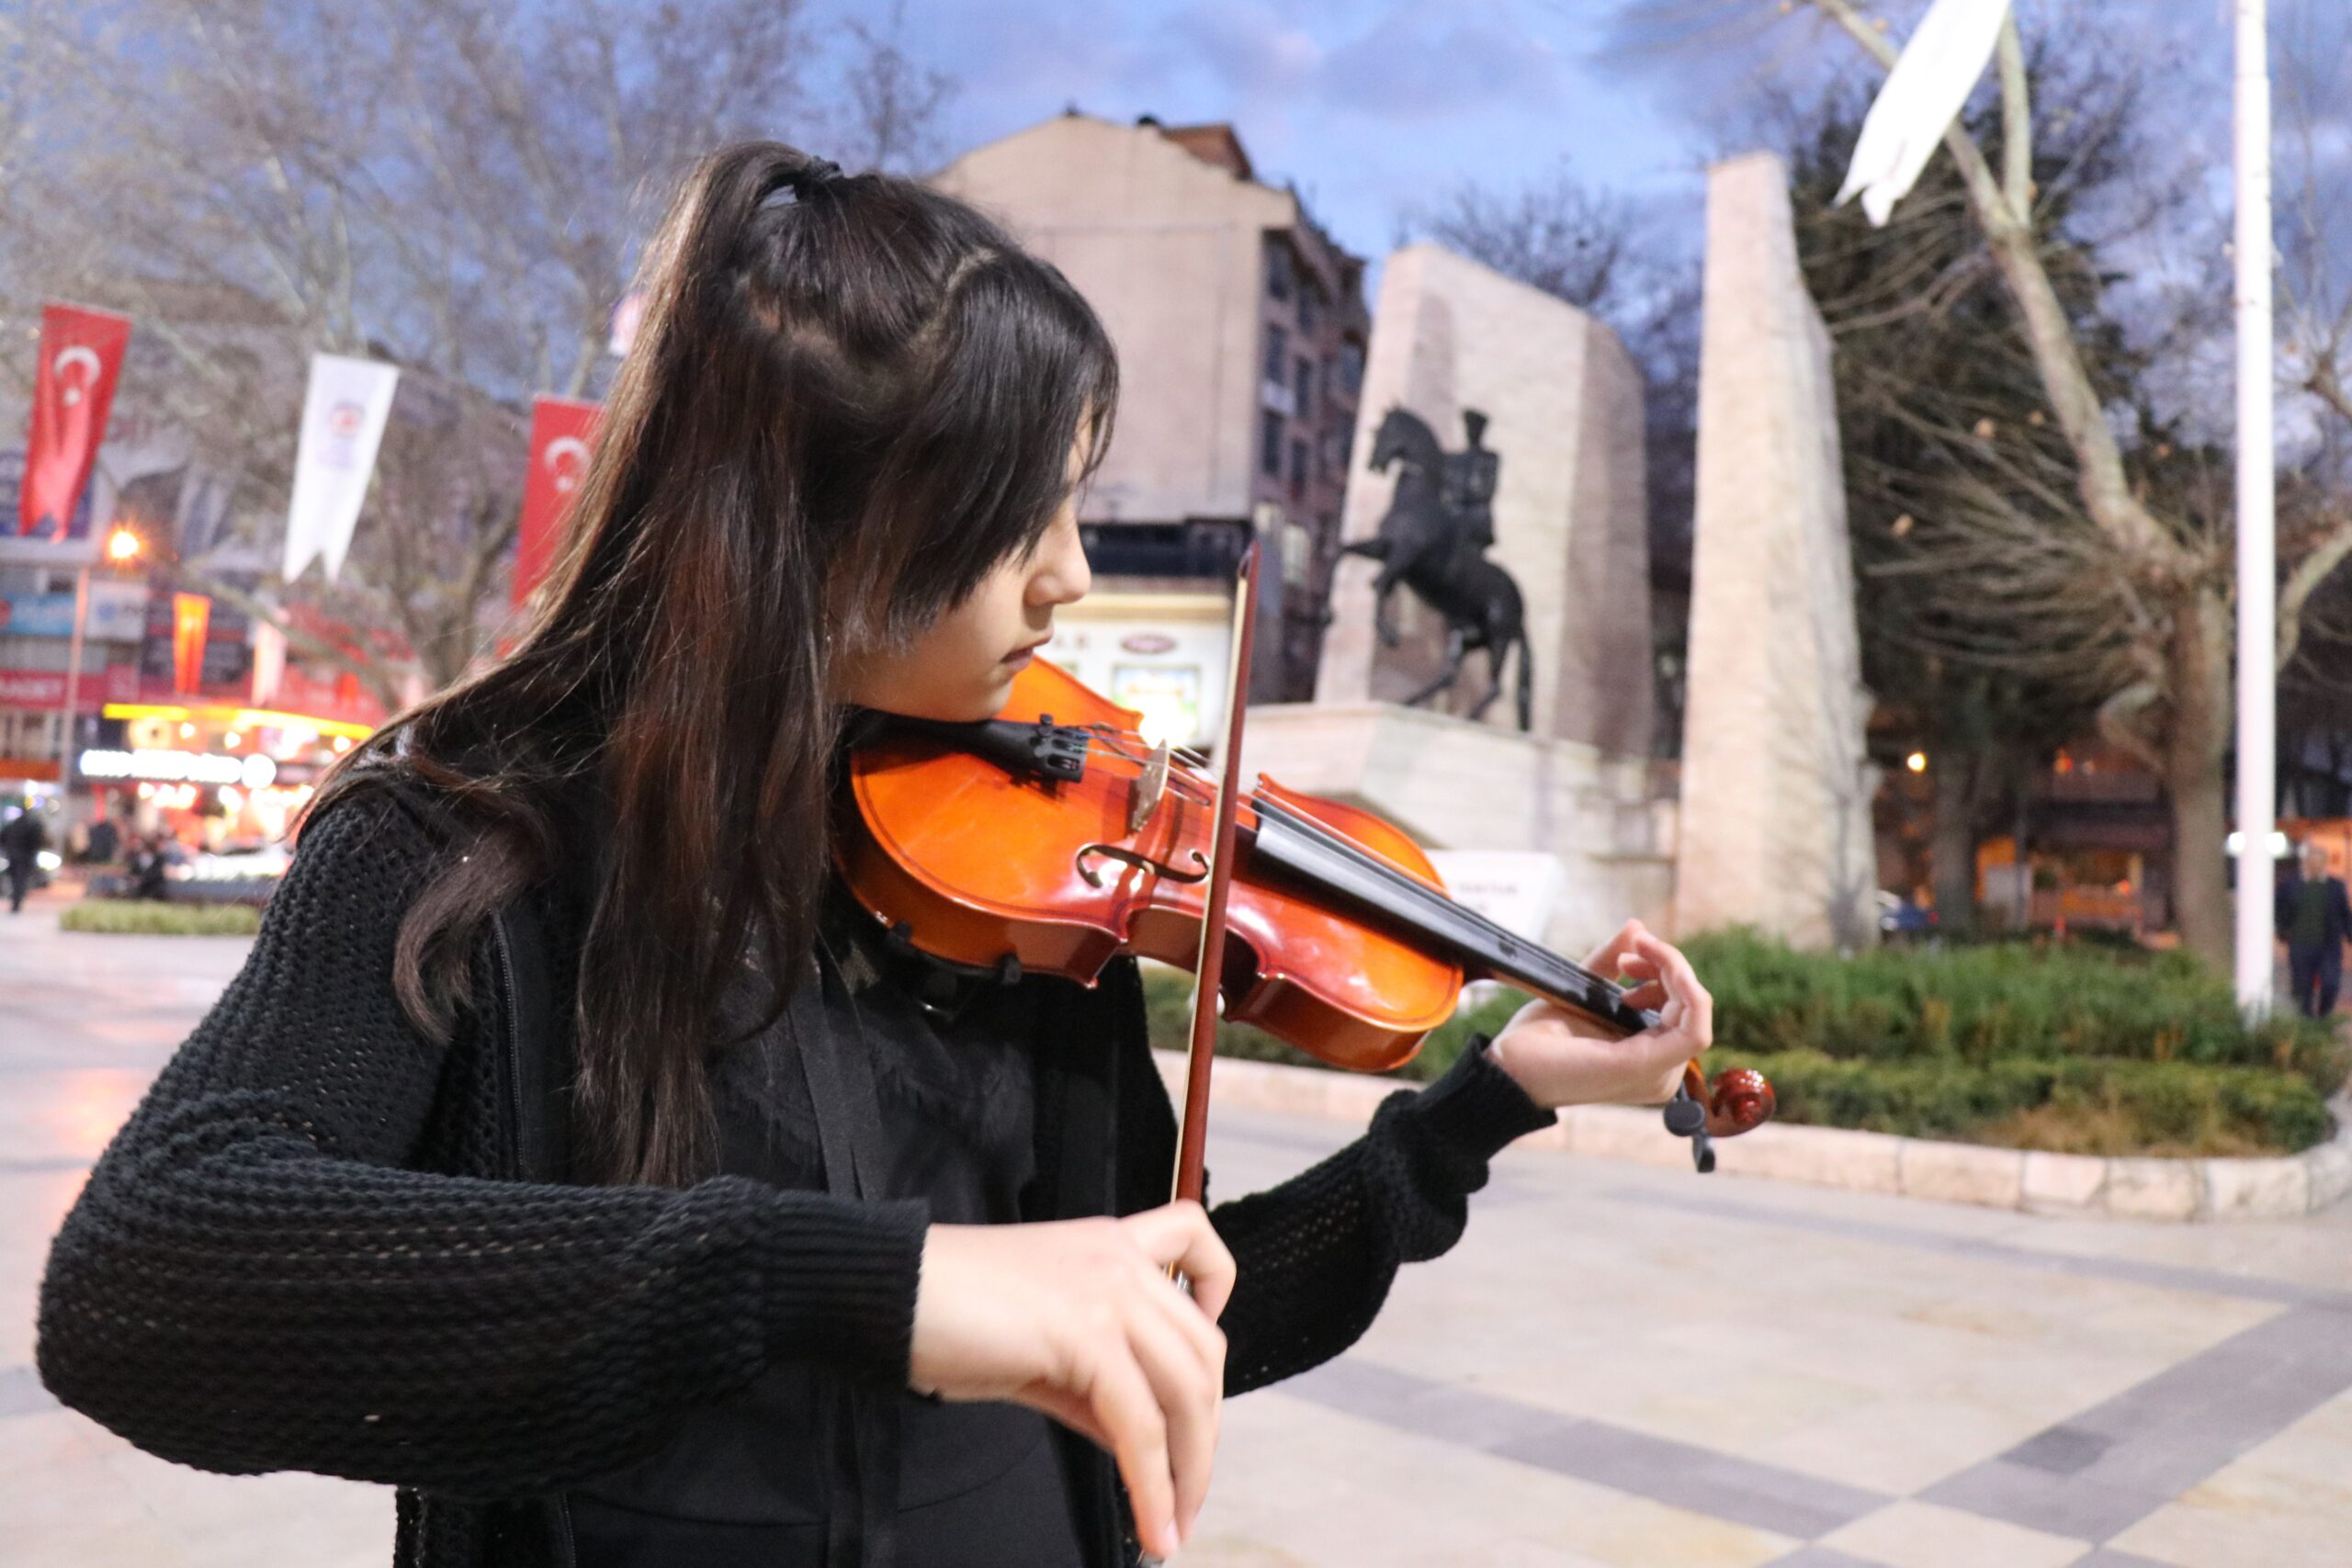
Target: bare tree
[
  {"x": 892, "y": 115},
  {"x": 1555, "y": 233},
  {"x": 455, "y": 187},
  {"x": 2162, "y": 553}
]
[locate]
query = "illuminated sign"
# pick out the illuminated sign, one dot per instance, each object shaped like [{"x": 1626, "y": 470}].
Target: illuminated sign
[{"x": 150, "y": 766}]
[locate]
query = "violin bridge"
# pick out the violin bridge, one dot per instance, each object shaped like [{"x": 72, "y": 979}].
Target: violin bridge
[{"x": 1150, "y": 784}]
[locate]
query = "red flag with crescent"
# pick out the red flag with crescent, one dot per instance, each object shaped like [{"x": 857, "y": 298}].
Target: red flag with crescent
[
  {"x": 562, "y": 433},
  {"x": 80, "y": 359},
  {"x": 191, "y": 624}
]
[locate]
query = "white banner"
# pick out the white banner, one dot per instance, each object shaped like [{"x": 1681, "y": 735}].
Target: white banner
[
  {"x": 1923, "y": 94},
  {"x": 343, "y": 424},
  {"x": 269, "y": 661}
]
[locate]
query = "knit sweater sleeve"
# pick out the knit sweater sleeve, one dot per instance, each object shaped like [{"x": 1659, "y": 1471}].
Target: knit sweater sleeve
[
  {"x": 250, "y": 1280},
  {"x": 1316, "y": 1255}
]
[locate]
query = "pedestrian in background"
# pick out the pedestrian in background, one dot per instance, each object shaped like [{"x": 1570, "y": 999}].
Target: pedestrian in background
[
  {"x": 2313, "y": 919},
  {"x": 22, "y": 839}
]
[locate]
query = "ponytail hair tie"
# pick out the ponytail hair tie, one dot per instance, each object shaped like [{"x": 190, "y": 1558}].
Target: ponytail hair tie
[{"x": 812, "y": 175}]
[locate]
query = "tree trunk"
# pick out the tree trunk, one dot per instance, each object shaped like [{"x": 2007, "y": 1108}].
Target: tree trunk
[
  {"x": 2194, "y": 745},
  {"x": 1952, "y": 847}
]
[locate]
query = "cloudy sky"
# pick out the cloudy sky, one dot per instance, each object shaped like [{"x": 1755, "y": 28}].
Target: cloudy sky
[{"x": 1367, "y": 104}]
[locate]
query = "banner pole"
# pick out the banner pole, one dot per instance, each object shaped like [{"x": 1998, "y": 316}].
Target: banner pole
[
  {"x": 73, "y": 690},
  {"x": 2257, "y": 756}
]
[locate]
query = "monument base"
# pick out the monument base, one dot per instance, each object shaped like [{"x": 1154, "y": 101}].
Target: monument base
[{"x": 1457, "y": 785}]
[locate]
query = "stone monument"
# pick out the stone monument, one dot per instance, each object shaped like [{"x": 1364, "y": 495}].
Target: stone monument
[
  {"x": 1550, "y": 470},
  {"x": 1775, "y": 821},
  {"x": 1560, "y": 432}
]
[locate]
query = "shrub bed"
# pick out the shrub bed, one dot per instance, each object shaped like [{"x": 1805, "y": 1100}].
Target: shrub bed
[
  {"x": 2080, "y": 1051},
  {"x": 126, "y": 917}
]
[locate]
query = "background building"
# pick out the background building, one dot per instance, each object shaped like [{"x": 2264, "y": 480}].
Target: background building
[{"x": 1241, "y": 331}]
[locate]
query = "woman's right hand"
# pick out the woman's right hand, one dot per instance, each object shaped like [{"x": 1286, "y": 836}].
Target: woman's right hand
[{"x": 1079, "y": 1319}]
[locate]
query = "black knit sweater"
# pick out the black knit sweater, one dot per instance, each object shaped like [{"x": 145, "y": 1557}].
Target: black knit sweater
[{"x": 310, "y": 1248}]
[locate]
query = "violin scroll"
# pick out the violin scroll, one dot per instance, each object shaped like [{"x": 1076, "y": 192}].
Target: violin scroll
[{"x": 1739, "y": 1099}]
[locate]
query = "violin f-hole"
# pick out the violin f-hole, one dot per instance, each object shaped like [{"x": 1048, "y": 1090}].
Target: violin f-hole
[{"x": 1141, "y": 863}]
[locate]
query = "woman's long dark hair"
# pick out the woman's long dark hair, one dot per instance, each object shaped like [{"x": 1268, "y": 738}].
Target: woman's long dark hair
[{"x": 850, "y": 398}]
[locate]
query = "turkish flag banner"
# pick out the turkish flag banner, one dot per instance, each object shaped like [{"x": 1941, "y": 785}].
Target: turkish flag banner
[
  {"x": 191, "y": 624},
  {"x": 81, "y": 360},
  {"x": 561, "y": 432}
]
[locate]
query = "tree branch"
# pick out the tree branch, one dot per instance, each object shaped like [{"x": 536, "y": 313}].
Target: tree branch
[
  {"x": 2016, "y": 121},
  {"x": 2107, "y": 491}
]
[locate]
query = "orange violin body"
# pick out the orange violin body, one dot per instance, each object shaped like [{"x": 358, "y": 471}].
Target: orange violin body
[{"x": 978, "y": 864}]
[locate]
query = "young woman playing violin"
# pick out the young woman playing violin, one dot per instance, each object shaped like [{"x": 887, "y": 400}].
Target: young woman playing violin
[{"x": 569, "y": 1155}]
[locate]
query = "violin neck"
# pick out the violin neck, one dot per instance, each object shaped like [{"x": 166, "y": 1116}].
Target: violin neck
[{"x": 1343, "y": 870}]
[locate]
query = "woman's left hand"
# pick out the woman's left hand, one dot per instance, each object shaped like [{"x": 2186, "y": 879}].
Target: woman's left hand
[{"x": 1560, "y": 1059}]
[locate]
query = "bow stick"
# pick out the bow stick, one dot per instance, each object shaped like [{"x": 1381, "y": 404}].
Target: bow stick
[{"x": 1209, "y": 970}]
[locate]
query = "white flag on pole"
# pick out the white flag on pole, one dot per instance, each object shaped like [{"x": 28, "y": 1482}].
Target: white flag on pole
[
  {"x": 1924, "y": 94},
  {"x": 269, "y": 661},
  {"x": 343, "y": 424}
]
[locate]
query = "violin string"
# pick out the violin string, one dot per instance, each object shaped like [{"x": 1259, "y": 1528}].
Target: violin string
[
  {"x": 1110, "y": 740},
  {"x": 1339, "y": 844},
  {"x": 1356, "y": 853}
]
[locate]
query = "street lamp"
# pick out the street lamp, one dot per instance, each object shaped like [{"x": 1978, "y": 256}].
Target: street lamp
[{"x": 123, "y": 547}]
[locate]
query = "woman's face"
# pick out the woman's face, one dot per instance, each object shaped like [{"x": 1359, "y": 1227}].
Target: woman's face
[{"x": 962, "y": 666}]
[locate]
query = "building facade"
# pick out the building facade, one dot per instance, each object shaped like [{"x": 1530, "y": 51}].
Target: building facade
[{"x": 1241, "y": 331}]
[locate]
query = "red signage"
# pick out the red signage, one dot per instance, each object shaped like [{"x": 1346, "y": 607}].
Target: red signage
[
  {"x": 44, "y": 691},
  {"x": 80, "y": 359},
  {"x": 191, "y": 623},
  {"x": 561, "y": 430}
]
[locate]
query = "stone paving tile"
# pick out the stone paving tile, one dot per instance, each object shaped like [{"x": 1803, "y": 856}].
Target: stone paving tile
[
  {"x": 1818, "y": 1556},
  {"x": 1629, "y": 1461},
  {"x": 2172, "y": 1276},
  {"x": 1920, "y": 1535},
  {"x": 2287, "y": 1500},
  {"x": 1373, "y": 1494},
  {"x": 2114, "y": 1464}
]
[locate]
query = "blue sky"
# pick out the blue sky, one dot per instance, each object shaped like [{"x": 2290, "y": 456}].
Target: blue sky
[
  {"x": 1365, "y": 103},
  {"x": 1368, "y": 105}
]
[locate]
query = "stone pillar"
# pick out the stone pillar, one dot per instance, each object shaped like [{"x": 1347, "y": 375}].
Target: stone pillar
[
  {"x": 1775, "y": 824},
  {"x": 1564, "y": 405}
]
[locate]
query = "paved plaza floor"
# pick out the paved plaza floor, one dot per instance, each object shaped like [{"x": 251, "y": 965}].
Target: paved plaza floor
[{"x": 1618, "y": 1366}]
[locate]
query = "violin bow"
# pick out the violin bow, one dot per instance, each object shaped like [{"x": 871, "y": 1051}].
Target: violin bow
[
  {"x": 1685, "y": 1114},
  {"x": 1208, "y": 970}
]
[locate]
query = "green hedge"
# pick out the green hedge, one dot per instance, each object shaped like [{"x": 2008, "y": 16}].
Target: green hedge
[
  {"x": 126, "y": 917},
  {"x": 2078, "y": 1106},
  {"x": 1987, "y": 1004},
  {"x": 2083, "y": 1050}
]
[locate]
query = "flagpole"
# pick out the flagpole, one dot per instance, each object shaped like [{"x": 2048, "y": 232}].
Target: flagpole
[
  {"x": 73, "y": 691},
  {"x": 2257, "y": 760}
]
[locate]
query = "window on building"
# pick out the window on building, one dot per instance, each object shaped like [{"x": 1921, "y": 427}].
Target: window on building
[
  {"x": 1309, "y": 302},
  {"x": 1302, "y": 383},
  {"x": 1335, "y": 453},
  {"x": 1277, "y": 353},
  {"x": 1297, "y": 467},
  {"x": 1278, "y": 270},
  {"x": 1298, "y": 554},
  {"x": 1351, "y": 368},
  {"x": 1270, "y": 444}
]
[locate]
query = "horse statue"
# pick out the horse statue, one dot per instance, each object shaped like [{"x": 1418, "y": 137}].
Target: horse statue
[{"x": 1433, "y": 540}]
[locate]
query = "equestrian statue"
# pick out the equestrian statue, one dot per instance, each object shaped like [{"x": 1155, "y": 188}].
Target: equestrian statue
[{"x": 1434, "y": 541}]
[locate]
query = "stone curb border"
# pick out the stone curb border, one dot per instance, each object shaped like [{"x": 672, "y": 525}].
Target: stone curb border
[{"x": 2026, "y": 1180}]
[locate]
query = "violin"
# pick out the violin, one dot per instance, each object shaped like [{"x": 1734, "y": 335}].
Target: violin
[{"x": 1052, "y": 838}]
